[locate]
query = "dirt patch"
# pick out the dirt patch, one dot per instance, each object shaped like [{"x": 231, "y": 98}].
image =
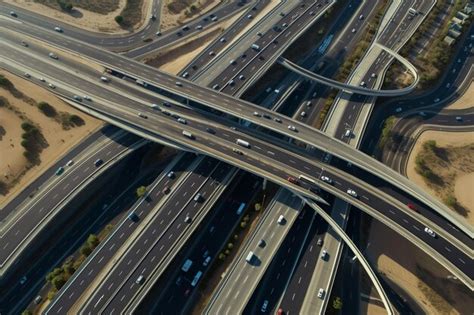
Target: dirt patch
[
  {"x": 15, "y": 169},
  {"x": 178, "y": 12},
  {"x": 84, "y": 18},
  {"x": 102, "y": 6},
  {"x": 465, "y": 101},
  {"x": 415, "y": 276},
  {"x": 438, "y": 165}
]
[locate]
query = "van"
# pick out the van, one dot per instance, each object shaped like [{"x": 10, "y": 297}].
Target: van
[
  {"x": 249, "y": 257},
  {"x": 281, "y": 219}
]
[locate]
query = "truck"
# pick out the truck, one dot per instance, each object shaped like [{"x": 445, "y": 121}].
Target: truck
[{"x": 243, "y": 143}]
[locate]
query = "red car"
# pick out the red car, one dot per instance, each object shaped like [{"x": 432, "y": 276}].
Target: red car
[
  {"x": 292, "y": 180},
  {"x": 412, "y": 207}
]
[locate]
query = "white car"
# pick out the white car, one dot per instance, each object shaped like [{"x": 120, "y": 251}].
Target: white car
[
  {"x": 263, "y": 309},
  {"x": 70, "y": 163},
  {"x": 27, "y": 75},
  {"x": 87, "y": 98},
  {"x": 256, "y": 114},
  {"x": 398, "y": 109},
  {"x": 58, "y": 29},
  {"x": 326, "y": 179},
  {"x": 352, "y": 193},
  {"x": 52, "y": 86},
  {"x": 353, "y": 30},
  {"x": 303, "y": 114},
  {"x": 324, "y": 253},
  {"x": 42, "y": 79},
  {"x": 430, "y": 232},
  {"x": 321, "y": 293},
  {"x": 292, "y": 128},
  {"x": 23, "y": 280}
]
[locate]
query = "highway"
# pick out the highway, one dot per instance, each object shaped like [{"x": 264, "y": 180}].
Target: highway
[
  {"x": 283, "y": 176},
  {"x": 182, "y": 166},
  {"x": 25, "y": 224},
  {"x": 243, "y": 109},
  {"x": 242, "y": 277},
  {"x": 134, "y": 40}
]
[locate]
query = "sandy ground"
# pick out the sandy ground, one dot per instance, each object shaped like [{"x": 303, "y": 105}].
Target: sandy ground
[
  {"x": 404, "y": 265},
  {"x": 170, "y": 20},
  {"x": 60, "y": 141},
  {"x": 84, "y": 19},
  {"x": 443, "y": 139},
  {"x": 465, "y": 101}
]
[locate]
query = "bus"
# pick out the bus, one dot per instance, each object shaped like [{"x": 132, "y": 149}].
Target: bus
[
  {"x": 240, "y": 209},
  {"x": 187, "y": 264},
  {"x": 307, "y": 179},
  {"x": 196, "y": 278}
]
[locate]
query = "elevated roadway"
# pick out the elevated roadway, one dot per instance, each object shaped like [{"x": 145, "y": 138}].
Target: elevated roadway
[{"x": 238, "y": 162}]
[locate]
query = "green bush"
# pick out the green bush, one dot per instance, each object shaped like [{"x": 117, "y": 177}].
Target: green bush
[
  {"x": 141, "y": 191},
  {"x": 119, "y": 19},
  {"x": 47, "y": 109},
  {"x": 93, "y": 241},
  {"x": 85, "y": 250}
]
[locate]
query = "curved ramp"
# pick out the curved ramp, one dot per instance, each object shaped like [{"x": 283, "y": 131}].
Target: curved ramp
[{"x": 355, "y": 88}]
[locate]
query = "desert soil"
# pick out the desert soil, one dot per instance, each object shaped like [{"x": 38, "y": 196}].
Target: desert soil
[
  {"x": 414, "y": 275},
  {"x": 170, "y": 19},
  {"x": 465, "y": 101},
  {"x": 463, "y": 182},
  {"x": 84, "y": 19},
  {"x": 12, "y": 163}
]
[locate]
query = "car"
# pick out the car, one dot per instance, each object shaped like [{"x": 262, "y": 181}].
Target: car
[
  {"x": 459, "y": 60},
  {"x": 398, "y": 110},
  {"x": 231, "y": 82},
  {"x": 104, "y": 79},
  {"x": 166, "y": 104},
  {"x": 241, "y": 77},
  {"x": 259, "y": 34},
  {"x": 178, "y": 83},
  {"x": 262, "y": 243},
  {"x": 321, "y": 293},
  {"x": 448, "y": 85},
  {"x": 282, "y": 13},
  {"x": 303, "y": 114},
  {"x": 292, "y": 180},
  {"x": 430, "y": 232},
  {"x": 324, "y": 254},
  {"x": 243, "y": 56},
  {"x": 166, "y": 190},
  {"x": 237, "y": 151},
  {"x": 311, "y": 13},
  {"x": 326, "y": 179},
  {"x": 188, "y": 219},
  {"x": 211, "y": 131},
  {"x": 70, "y": 163},
  {"x": 132, "y": 216},
  {"x": 98, "y": 162},
  {"x": 222, "y": 40},
  {"x": 171, "y": 174},
  {"x": 52, "y": 86},
  {"x": 185, "y": 28},
  {"x": 320, "y": 241},
  {"x": 42, "y": 79},
  {"x": 179, "y": 281},
  {"x": 182, "y": 121},
  {"x": 185, "y": 75},
  {"x": 361, "y": 17},
  {"x": 250, "y": 16},
  {"x": 24, "y": 44},
  {"x": 58, "y": 29},
  {"x": 53, "y": 56},
  {"x": 179, "y": 34},
  {"x": 13, "y": 13},
  {"x": 77, "y": 98},
  {"x": 23, "y": 280},
  {"x": 206, "y": 261},
  {"x": 284, "y": 25},
  {"x": 363, "y": 84},
  {"x": 142, "y": 115},
  {"x": 199, "y": 27},
  {"x": 348, "y": 133},
  {"x": 292, "y": 128},
  {"x": 436, "y": 100},
  {"x": 187, "y": 292},
  {"x": 216, "y": 86},
  {"x": 352, "y": 193},
  {"x": 278, "y": 120},
  {"x": 140, "y": 279},
  {"x": 266, "y": 116},
  {"x": 38, "y": 299},
  {"x": 373, "y": 75},
  {"x": 264, "y": 307},
  {"x": 158, "y": 33},
  {"x": 458, "y": 118},
  {"x": 27, "y": 75},
  {"x": 411, "y": 206},
  {"x": 353, "y": 30},
  {"x": 198, "y": 197},
  {"x": 211, "y": 53},
  {"x": 423, "y": 114},
  {"x": 205, "y": 254},
  {"x": 59, "y": 171},
  {"x": 256, "y": 114}
]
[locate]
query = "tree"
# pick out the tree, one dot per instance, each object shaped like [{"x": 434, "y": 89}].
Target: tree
[
  {"x": 56, "y": 272},
  {"x": 26, "y": 312},
  {"x": 119, "y": 19},
  {"x": 141, "y": 191},
  {"x": 58, "y": 282},
  {"x": 85, "y": 250},
  {"x": 236, "y": 237},
  {"x": 337, "y": 303},
  {"x": 243, "y": 224},
  {"x": 230, "y": 245},
  {"x": 222, "y": 256},
  {"x": 92, "y": 241},
  {"x": 258, "y": 206}
]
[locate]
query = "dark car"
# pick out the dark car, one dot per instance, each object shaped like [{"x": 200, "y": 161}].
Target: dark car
[{"x": 98, "y": 162}]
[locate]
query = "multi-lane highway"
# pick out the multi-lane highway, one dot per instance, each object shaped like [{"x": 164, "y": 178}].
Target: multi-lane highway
[{"x": 272, "y": 149}]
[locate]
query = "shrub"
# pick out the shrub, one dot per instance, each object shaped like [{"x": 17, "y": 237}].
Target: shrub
[
  {"x": 47, "y": 109},
  {"x": 141, "y": 191},
  {"x": 85, "y": 250},
  {"x": 92, "y": 241},
  {"x": 119, "y": 19}
]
